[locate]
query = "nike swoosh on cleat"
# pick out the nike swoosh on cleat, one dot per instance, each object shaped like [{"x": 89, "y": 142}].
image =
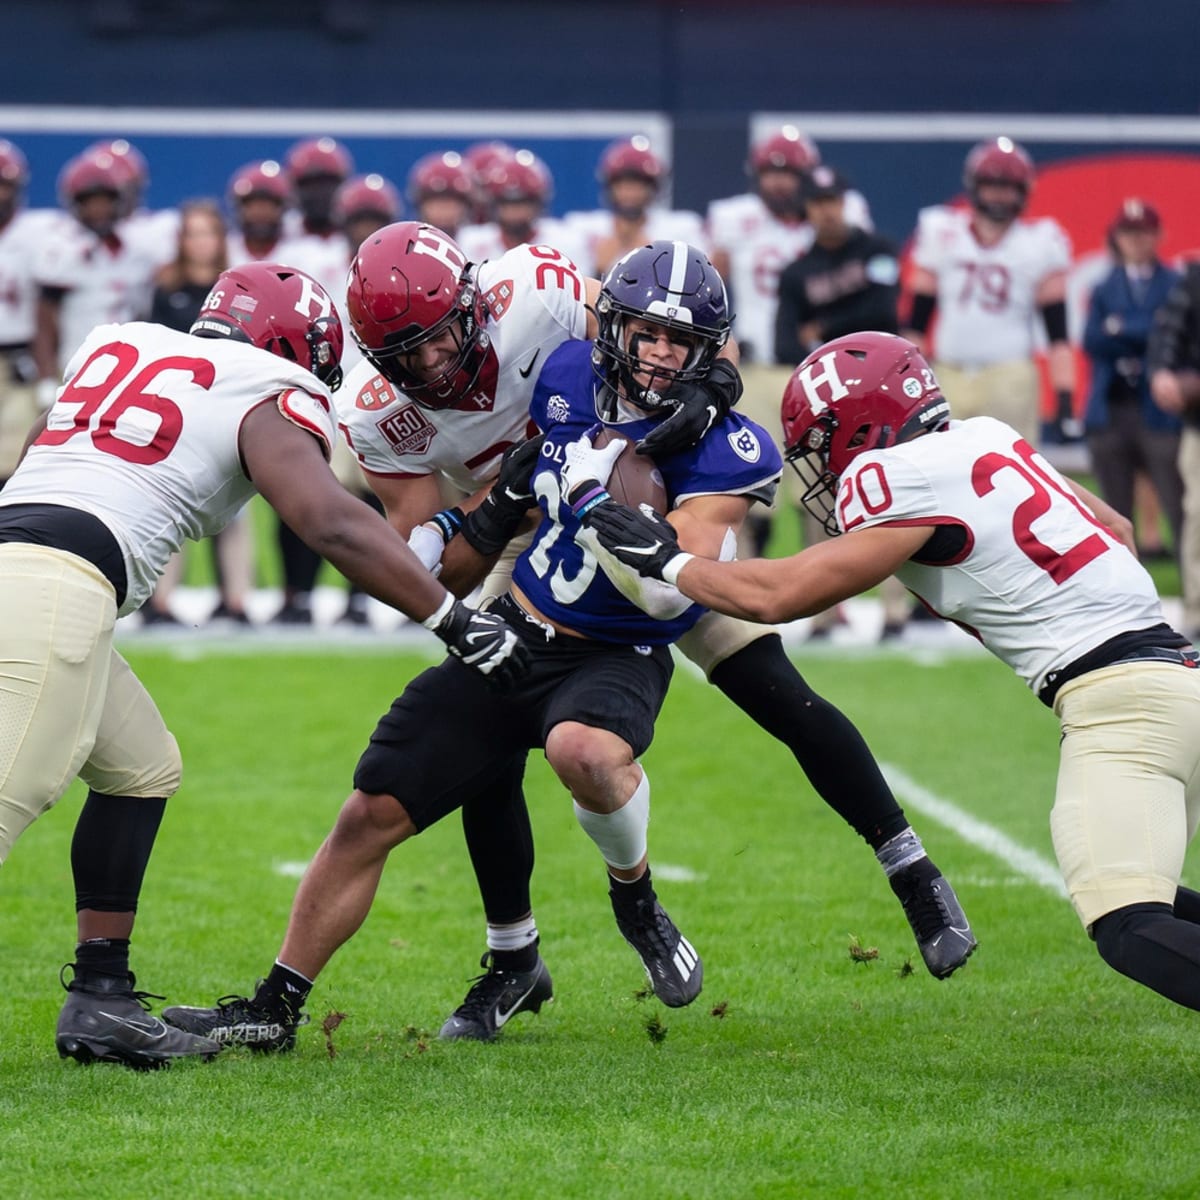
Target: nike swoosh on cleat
[
  {"x": 524, "y": 372},
  {"x": 502, "y": 1016},
  {"x": 157, "y": 1030}
]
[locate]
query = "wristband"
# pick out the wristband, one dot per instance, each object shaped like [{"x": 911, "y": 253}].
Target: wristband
[
  {"x": 449, "y": 521},
  {"x": 670, "y": 572},
  {"x": 588, "y": 501},
  {"x": 438, "y": 615}
]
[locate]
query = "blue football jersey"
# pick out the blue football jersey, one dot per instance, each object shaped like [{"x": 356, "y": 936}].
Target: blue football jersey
[{"x": 561, "y": 577}]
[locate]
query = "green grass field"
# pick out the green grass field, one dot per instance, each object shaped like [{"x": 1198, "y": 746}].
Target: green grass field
[{"x": 1034, "y": 1071}]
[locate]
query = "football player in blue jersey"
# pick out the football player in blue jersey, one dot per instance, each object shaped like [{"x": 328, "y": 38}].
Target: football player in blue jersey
[{"x": 602, "y": 665}]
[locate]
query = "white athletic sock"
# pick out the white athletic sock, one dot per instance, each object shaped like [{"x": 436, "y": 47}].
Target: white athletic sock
[
  {"x": 620, "y": 836},
  {"x": 512, "y": 937}
]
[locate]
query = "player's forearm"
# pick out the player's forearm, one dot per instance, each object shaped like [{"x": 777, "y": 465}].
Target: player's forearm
[
  {"x": 758, "y": 590},
  {"x": 1061, "y": 361}
]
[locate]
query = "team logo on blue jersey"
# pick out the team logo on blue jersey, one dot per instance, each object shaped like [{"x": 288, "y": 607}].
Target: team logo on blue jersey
[
  {"x": 558, "y": 409},
  {"x": 745, "y": 445}
]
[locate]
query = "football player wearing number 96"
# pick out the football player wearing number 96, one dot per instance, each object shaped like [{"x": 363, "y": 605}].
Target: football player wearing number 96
[
  {"x": 989, "y": 535},
  {"x": 157, "y": 436}
]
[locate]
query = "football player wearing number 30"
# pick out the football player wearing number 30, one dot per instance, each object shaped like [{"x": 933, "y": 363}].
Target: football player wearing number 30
[
  {"x": 989, "y": 535},
  {"x": 155, "y": 437}
]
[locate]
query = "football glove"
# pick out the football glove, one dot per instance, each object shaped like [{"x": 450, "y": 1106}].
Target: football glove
[
  {"x": 489, "y": 527},
  {"x": 585, "y": 469},
  {"x": 699, "y": 406},
  {"x": 481, "y": 640},
  {"x": 640, "y": 539}
]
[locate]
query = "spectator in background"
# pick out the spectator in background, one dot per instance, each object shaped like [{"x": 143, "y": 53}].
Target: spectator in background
[
  {"x": 18, "y": 304},
  {"x": 848, "y": 282},
  {"x": 441, "y": 191},
  {"x": 1173, "y": 361},
  {"x": 180, "y": 289},
  {"x": 632, "y": 177},
  {"x": 988, "y": 274},
  {"x": 1126, "y": 431}
]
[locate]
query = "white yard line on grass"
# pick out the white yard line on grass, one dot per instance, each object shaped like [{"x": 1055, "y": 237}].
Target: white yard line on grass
[{"x": 1025, "y": 862}]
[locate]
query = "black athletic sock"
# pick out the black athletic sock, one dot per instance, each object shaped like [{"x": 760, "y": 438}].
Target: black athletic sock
[
  {"x": 762, "y": 681},
  {"x": 626, "y": 893},
  {"x": 1150, "y": 945},
  {"x": 300, "y": 562},
  {"x": 283, "y": 992},
  {"x": 524, "y": 959},
  {"x": 102, "y": 956}
]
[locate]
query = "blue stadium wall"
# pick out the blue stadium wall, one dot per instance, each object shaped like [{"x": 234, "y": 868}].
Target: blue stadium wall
[{"x": 894, "y": 90}]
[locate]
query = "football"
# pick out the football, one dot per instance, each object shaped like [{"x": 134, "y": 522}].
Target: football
[{"x": 635, "y": 479}]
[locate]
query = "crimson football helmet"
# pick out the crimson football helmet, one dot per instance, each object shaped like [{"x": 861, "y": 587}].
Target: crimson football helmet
[
  {"x": 264, "y": 178},
  {"x": 1000, "y": 160},
  {"x": 631, "y": 158},
  {"x": 667, "y": 283},
  {"x": 318, "y": 156},
  {"x": 864, "y": 391},
  {"x": 14, "y": 168},
  {"x": 522, "y": 177},
  {"x": 440, "y": 174},
  {"x": 785, "y": 150},
  {"x": 88, "y": 173},
  {"x": 366, "y": 195},
  {"x": 408, "y": 284},
  {"x": 131, "y": 164},
  {"x": 278, "y": 309}
]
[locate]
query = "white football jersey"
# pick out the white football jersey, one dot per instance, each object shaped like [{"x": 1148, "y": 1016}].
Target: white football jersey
[
  {"x": 759, "y": 245},
  {"x": 484, "y": 243},
  {"x": 588, "y": 229},
  {"x": 986, "y": 295},
  {"x": 1039, "y": 581},
  {"x": 104, "y": 280},
  {"x": 144, "y": 436},
  {"x": 535, "y": 301},
  {"x": 19, "y": 241}
]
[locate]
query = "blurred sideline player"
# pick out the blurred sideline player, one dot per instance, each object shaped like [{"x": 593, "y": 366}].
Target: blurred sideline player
[
  {"x": 441, "y": 191},
  {"x": 19, "y": 234},
  {"x": 984, "y": 529},
  {"x": 480, "y": 336},
  {"x": 157, "y": 436},
  {"x": 988, "y": 275},
  {"x": 632, "y": 177}
]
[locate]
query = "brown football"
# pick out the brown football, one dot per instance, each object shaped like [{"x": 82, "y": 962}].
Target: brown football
[{"x": 635, "y": 479}]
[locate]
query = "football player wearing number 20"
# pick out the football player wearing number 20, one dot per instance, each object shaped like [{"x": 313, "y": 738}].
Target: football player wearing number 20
[
  {"x": 990, "y": 536},
  {"x": 155, "y": 437}
]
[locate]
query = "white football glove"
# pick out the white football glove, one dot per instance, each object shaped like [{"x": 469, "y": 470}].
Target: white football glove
[{"x": 583, "y": 463}]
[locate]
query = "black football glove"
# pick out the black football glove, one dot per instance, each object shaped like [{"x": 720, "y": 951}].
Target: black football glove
[
  {"x": 484, "y": 641},
  {"x": 1067, "y": 427},
  {"x": 489, "y": 527},
  {"x": 700, "y": 406},
  {"x": 639, "y": 539}
]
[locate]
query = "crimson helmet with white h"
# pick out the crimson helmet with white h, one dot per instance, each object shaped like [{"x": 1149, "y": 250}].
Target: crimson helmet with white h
[
  {"x": 787, "y": 149},
  {"x": 278, "y": 309},
  {"x": 864, "y": 391},
  {"x": 1002, "y": 161},
  {"x": 409, "y": 284}
]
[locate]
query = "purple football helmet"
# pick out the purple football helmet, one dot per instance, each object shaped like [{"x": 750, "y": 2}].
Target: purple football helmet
[{"x": 671, "y": 284}]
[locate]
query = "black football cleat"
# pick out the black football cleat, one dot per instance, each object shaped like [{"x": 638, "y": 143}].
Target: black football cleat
[
  {"x": 672, "y": 965},
  {"x": 105, "y": 1020},
  {"x": 239, "y": 1021},
  {"x": 943, "y": 935},
  {"x": 494, "y": 997}
]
